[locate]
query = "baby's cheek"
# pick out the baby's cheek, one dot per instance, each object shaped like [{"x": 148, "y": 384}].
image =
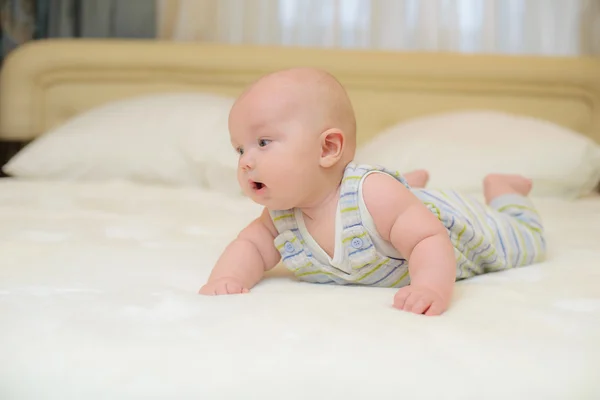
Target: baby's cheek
[
  {"x": 280, "y": 180},
  {"x": 241, "y": 180}
]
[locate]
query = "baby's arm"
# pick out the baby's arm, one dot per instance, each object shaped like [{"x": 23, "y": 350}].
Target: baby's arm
[
  {"x": 244, "y": 261},
  {"x": 401, "y": 218}
]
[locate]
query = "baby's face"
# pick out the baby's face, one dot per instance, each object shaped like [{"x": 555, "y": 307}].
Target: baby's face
[{"x": 278, "y": 151}]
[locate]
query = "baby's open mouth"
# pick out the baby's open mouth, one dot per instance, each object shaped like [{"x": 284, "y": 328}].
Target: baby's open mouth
[{"x": 257, "y": 185}]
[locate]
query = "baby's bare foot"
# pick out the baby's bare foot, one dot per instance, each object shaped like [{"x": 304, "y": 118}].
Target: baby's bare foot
[
  {"x": 417, "y": 178},
  {"x": 495, "y": 185}
]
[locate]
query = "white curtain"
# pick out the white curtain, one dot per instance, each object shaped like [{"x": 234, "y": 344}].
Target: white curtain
[{"x": 546, "y": 27}]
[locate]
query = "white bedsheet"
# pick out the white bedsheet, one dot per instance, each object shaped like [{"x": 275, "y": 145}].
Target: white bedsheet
[{"x": 98, "y": 301}]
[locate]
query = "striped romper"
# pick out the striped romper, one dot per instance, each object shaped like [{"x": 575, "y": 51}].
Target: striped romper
[{"x": 505, "y": 234}]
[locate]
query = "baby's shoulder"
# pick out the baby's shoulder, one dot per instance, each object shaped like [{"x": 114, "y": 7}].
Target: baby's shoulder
[
  {"x": 362, "y": 168},
  {"x": 382, "y": 184},
  {"x": 378, "y": 175},
  {"x": 384, "y": 198}
]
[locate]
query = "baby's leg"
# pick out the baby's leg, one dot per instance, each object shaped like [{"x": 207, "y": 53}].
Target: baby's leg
[
  {"x": 522, "y": 233},
  {"x": 496, "y": 185},
  {"x": 417, "y": 178}
]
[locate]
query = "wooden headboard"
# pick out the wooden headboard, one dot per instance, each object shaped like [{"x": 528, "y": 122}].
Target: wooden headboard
[{"x": 44, "y": 83}]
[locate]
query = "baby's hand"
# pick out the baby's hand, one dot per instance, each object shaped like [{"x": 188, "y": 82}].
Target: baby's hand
[
  {"x": 226, "y": 285},
  {"x": 420, "y": 300}
]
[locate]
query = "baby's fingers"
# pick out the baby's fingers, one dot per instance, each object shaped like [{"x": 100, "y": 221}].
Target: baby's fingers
[
  {"x": 400, "y": 298},
  {"x": 419, "y": 305},
  {"x": 232, "y": 288},
  {"x": 435, "y": 309},
  {"x": 207, "y": 290},
  {"x": 222, "y": 288},
  {"x": 416, "y": 302}
]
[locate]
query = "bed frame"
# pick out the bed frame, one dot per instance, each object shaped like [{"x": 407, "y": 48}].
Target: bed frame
[{"x": 46, "y": 82}]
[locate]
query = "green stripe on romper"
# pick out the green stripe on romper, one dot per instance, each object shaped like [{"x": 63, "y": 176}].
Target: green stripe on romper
[
  {"x": 351, "y": 177},
  {"x": 436, "y": 209},
  {"x": 461, "y": 233},
  {"x": 283, "y": 216},
  {"x": 304, "y": 266},
  {"x": 315, "y": 273},
  {"x": 472, "y": 248},
  {"x": 349, "y": 209},
  {"x": 399, "y": 280},
  {"x": 281, "y": 245},
  {"x": 465, "y": 206},
  {"x": 373, "y": 270},
  {"x": 520, "y": 207},
  {"x": 484, "y": 254},
  {"x": 527, "y": 226}
]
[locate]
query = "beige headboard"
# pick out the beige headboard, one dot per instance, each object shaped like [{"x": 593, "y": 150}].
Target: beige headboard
[{"x": 46, "y": 82}]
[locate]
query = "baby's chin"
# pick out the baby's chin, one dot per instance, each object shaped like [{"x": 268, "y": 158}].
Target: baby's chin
[
  {"x": 273, "y": 204},
  {"x": 269, "y": 200}
]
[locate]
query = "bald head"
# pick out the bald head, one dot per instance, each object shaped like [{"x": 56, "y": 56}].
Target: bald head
[{"x": 309, "y": 93}]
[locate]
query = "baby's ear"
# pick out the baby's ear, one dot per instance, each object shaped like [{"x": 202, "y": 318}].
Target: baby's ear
[{"x": 332, "y": 147}]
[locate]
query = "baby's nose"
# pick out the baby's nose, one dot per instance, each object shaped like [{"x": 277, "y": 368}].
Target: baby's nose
[{"x": 246, "y": 162}]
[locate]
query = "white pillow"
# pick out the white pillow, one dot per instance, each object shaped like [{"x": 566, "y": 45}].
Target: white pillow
[
  {"x": 144, "y": 139},
  {"x": 460, "y": 148}
]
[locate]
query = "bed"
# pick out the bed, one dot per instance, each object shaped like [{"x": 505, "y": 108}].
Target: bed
[{"x": 111, "y": 220}]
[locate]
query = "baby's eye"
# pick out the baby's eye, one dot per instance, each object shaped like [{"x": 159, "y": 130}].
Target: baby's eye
[
  {"x": 240, "y": 151},
  {"x": 263, "y": 142}
]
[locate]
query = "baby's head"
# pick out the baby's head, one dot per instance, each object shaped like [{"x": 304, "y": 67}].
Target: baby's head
[{"x": 295, "y": 132}]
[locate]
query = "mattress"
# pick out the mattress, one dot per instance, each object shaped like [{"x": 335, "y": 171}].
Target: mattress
[{"x": 98, "y": 299}]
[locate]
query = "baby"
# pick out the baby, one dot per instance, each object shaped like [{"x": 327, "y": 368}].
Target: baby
[{"x": 331, "y": 220}]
